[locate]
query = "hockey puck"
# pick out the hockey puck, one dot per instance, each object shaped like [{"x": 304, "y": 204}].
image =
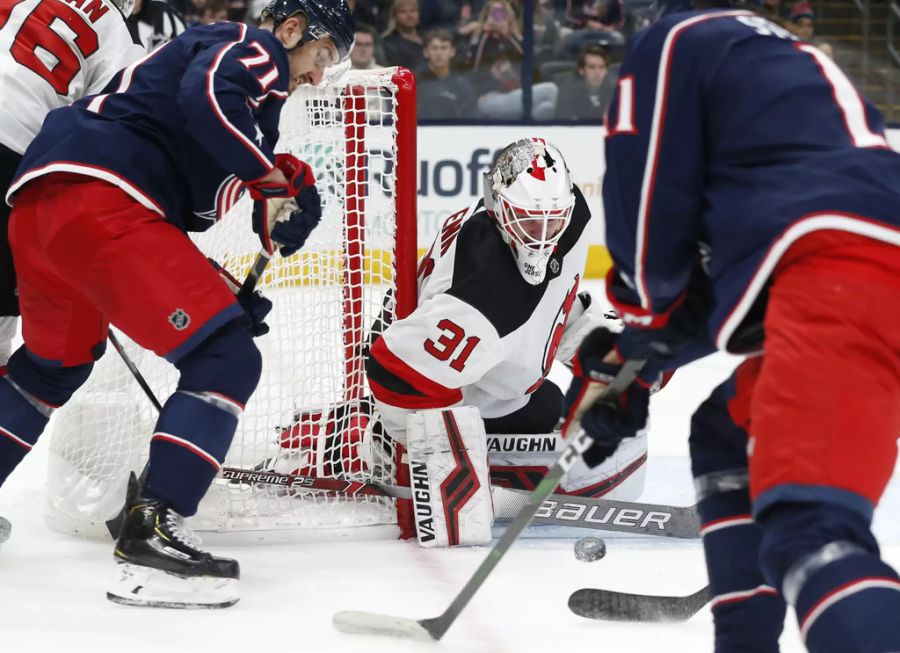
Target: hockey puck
[{"x": 589, "y": 549}]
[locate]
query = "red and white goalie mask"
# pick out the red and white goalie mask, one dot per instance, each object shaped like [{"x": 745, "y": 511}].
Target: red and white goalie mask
[{"x": 529, "y": 193}]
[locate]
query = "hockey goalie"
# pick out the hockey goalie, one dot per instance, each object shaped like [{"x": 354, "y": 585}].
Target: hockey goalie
[{"x": 498, "y": 302}]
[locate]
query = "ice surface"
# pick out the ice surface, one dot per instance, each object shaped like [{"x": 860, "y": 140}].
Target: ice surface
[{"x": 52, "y": 586}]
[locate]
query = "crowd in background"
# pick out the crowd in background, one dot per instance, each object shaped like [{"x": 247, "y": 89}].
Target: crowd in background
[{"x": 468, "y": 54}]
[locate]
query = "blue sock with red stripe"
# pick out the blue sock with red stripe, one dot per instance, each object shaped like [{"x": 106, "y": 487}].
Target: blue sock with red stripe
[
  {"x": 827, "y": 561},
  {"x": 189, "y": 444},
  {"x": 20, "y": 426},
  {"x": 852, "y": 604},
  {"x": 748, "y": 613}
]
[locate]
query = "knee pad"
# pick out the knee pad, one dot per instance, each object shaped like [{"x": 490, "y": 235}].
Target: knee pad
[
  {"x": 227, "y": 362},
  {"x": 51, "y": 385},
  {"x": 793, "y": 531}
]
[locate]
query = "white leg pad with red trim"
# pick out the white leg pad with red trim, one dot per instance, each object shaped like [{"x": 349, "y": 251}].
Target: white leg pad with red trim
[{"x": 448, "y": 468}]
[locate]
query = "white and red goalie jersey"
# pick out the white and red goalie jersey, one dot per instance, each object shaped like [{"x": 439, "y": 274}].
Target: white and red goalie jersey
[
  {"x": 53, "y": 52},
  {"x": 481, "y": 335}
]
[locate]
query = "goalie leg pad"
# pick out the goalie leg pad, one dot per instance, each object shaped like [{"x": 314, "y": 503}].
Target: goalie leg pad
[{"x": 448, "y": 466}]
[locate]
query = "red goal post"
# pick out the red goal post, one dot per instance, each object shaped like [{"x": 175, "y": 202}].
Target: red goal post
[{"x": 310, "y": 413}]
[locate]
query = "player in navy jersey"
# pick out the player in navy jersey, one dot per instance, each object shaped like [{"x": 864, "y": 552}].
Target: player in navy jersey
[
  {"x": 753, "y": 205},
  {"x": 101, "y": 203}
]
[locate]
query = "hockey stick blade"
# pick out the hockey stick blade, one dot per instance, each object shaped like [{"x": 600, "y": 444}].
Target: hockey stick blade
[
  {"x": 558, "y": 509},
  {"x": 370, "y": 623},
  {"x": 622, "y": 606},
  {"x": 436, "y": 627}
]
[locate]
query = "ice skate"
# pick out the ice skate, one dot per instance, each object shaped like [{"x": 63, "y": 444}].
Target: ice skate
[{"x": 161, "y": 566}]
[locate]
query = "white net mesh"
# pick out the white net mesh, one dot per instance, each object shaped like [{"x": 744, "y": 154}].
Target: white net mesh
[{"x": 309, "y": 414}]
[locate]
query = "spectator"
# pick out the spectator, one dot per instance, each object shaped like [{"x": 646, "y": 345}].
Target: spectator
[
  {"x": 442, "y": 94},
  {"x": 495, "y": 55},
  {"x": 154, "y": 22},
  {"x": 597, "y": 21},
  {"x": 237, "y": 10},
  {"x": 801, "y": 24},
  {"x": 190, "y": 10},
  {"x": 214, "y": 11},
  {"x": 362, "y": 56},
  {"x": 362, "y": 11},
  {"x": 496, "y": 37},
  {"x": 501, "y": 97},
  {"x": 443, "y": 14},
  {"x": 771, "y": 9},
  {"x": 402, "y": 42},
  {"x": 586, "y": 95}
]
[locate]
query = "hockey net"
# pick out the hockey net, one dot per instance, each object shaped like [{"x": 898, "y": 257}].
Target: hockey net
[{"x": 310, "y": 413}]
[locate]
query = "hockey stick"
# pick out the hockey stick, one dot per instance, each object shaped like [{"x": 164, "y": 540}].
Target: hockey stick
[
  {"x": 114, "y": 525},
  {"x": 622, "y": 606},
  {"x": 370, "y": 623},
  {"x": 557, "y": 509}
]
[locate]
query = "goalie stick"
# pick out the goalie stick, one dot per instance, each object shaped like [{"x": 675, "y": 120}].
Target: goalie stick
[
  {"x": 622, "y": 606},
  {"x": 557, "y": 509},
  {"x": 114, "y": 525},
  {"x": 434, "y": 628}
]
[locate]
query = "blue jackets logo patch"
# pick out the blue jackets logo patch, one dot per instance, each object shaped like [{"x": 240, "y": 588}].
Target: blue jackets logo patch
[{"x": 179, "y": 319}]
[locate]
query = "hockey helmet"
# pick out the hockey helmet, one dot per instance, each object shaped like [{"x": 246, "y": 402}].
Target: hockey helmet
[
  {"x": 325, "y": 18},
  {"x": 529, "y": 193}
]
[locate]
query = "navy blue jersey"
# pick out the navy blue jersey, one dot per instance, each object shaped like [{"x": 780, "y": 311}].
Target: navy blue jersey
[
  {"x": 180, "y": 129},
  {"x": 728, "y": 140}
]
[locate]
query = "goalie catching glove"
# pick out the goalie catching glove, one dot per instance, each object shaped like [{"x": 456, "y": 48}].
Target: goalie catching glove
[
  {"x": 447, "y": 453},
  {"x": 286, "y": 212},
  {"x": 607, "y": 423}
]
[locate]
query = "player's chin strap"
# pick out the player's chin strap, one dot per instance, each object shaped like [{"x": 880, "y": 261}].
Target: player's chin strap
[{"x": 447, "y": 453}]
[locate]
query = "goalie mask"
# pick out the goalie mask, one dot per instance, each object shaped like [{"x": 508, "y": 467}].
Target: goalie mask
[{"x": 529, "y": 194}]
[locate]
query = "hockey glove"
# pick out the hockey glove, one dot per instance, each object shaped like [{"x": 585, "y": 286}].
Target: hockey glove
[
  {"x": 607, "y": 423},
  {"x": 286, "y": 213},
  {"x": 256, "y": 306},
  {"x": 297, "y": 174},
  {"x": 686, "y": 325}
]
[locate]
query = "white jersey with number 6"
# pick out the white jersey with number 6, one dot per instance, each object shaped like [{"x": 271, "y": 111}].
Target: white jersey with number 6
[{"x": 54, "y": 52}]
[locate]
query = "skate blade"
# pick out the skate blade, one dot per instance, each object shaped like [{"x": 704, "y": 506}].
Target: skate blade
[{"x": 155, "y": 588}]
